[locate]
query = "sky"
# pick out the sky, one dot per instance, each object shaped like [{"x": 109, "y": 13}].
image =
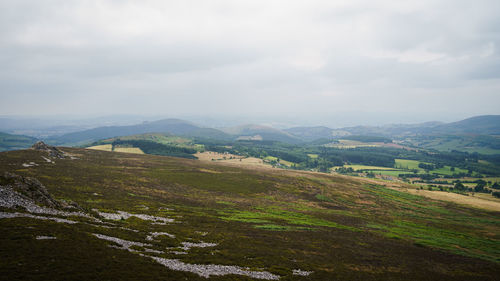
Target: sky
[{"x": 322, "y": 62}]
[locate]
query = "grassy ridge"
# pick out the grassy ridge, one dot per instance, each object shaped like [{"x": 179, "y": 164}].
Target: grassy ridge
[{"x": 340, "y": 228}]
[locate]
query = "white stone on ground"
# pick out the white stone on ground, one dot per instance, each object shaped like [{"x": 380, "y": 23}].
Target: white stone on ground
[
  {"x": 206, "y": 270},
  {"x": 178, "y": 253},
  {"x": 41, "y": 237},
  {"x": 10, "y": 199},
  {"x": 4, "y": 215},
  {"x": 301, "y": 272},
  {"x": 125, "y": 215},
  {"x": 153, "y": 235},
  {"x": 188, "y": 245},
  {"x": 125, "y": 244},
  {"x": 47, "y": 159}
]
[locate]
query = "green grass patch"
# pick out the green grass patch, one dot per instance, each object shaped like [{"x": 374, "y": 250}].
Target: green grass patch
[
  {"x": 323, "y": 198},
  {"x": 266, "y": 215}
]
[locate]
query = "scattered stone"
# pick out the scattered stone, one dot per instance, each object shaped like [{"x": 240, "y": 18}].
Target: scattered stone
[
  {"x": 188, "y": 245},
  {"x": 301, "y": 272},
  {"x": 48, "y": 160},
  {"x": 206, "y": 270},
  {"x": 45, "y": 237},
  {"x": 178, "y": 253},
  {"x": 4, "y": 215},
  {"x": 153, "y": 235},
  {"x": 124, "y": 244},
  {"x": 124, "y": 215},
  {"x": 153, "y": 251}
]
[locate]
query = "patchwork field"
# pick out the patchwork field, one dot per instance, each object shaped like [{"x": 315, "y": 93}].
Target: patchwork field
[
  {"x": 161, "y": 218},
  {"x": 404, "y": 166}
]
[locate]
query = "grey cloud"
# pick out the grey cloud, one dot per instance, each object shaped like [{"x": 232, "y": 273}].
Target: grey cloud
[{"x": 250, "y": 57}]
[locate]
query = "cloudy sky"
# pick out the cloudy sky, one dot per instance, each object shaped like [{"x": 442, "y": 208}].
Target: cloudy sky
[{"x": 304, "y": 60}]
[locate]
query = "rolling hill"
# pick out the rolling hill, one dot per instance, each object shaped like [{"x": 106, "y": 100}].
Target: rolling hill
[
  {"x": 478, "y": 125},
  {"x": 96, "y": 215},
  {"x": 171, "y": 126},
  {"x": 261, "y": 132}
]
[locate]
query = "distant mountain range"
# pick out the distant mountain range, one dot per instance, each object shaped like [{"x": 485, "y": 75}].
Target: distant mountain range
[{"x": 479, "y": 125}]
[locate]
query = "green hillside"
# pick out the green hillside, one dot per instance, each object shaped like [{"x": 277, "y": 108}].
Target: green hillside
[
  {"x": 166, "y": 126},
  {"x": 159, "y": 218},
  {"x": 13, "y": 142}
]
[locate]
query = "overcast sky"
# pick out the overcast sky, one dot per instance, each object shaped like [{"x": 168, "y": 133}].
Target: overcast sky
[{"x": 304, "y": 60}]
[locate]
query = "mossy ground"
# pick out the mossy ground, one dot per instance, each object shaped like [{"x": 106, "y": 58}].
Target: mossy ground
[{"x": 339, "y": 228}]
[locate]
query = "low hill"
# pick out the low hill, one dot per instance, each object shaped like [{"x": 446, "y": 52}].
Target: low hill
[
  {"x": 261, "y": 132},
  {"x": 14, "y": 142},
  {"x": 171, "y": 126},
  {"x": 123, "y": 216}
]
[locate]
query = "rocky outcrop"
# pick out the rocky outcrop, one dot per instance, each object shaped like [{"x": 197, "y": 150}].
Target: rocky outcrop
[
  {"x": 51, "y": 150},
  {"x": 30, "y": 188}
]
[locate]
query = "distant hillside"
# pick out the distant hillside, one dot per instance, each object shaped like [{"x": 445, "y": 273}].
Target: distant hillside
[
  {"x": 478, "y": 125},
  {"x": 265, "y": 133},
  {"x": 311, "y": 133},
  {"x": 391, "y": 130},
  {"x": 14, "y": 142},
  {"x": 171, "y": 126}
]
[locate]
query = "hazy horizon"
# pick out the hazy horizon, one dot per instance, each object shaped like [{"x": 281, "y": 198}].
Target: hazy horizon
[
  {"x": 83, "y": 122},
  {"x": 330, "y": 63}
]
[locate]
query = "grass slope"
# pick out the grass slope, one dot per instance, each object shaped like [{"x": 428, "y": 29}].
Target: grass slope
[{"x": 340, "y": 228}]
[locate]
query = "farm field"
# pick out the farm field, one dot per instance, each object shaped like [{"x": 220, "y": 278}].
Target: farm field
[
  {"x": 407, "y": 164},
  {"x": 350, "y": 144},
  {"x": 135, "y": 150},
  {"x": 283, "y": 162},
  {"x": 365, "y": 167},
  {"x": 403, "y": 166},
  {"x": 273, "y": 221},
  {"x": 109, "y": 147},
  {"x": 103, "y": 147},
  {"x": 482, "y": 201}
]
